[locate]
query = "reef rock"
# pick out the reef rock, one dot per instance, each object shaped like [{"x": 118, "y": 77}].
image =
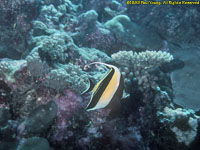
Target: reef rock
[
  {"x": 10, "y": 68},
  {"x": 34, "y": 143},
  {"x": 133, "y": 35},
  {"x": 97, "y": 35},
  {"x": 184, "y": 123},
  {"x": 15, "y": 26},
  {"x": 4, "y": 116},
  {"x": 35, "y": 123},
  {"x": 173, "y": 24},
  {"x": 66, "y": 124}
]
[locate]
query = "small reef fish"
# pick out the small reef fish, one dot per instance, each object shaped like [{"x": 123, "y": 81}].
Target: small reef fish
[{"x": 107, "y": 90}]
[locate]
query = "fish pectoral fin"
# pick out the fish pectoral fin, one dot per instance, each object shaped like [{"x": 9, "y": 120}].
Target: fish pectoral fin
[
  {"x": 89, "y": 89},
  {"x": 125, "y": 95}
]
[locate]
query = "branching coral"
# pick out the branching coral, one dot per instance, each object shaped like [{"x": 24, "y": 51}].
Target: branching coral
[
  {"x": 58, "y": 12},
  {"x": 50, "y": 60},
  {"x": 53, "y": 49},
  {"x": 141, "y": 66},
  {"x": 59, "y": 78},
  {"x": 68, "y": 76}
]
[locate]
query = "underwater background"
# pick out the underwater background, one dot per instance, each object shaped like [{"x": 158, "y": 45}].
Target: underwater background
[{"x": 46, "y": 47}]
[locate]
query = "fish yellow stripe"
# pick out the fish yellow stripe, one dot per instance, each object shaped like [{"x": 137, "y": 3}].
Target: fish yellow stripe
[
  {"x": 102, "y": 86},
  {"x": 110, "y": 90},
  {"x": 100, "y": 82}
]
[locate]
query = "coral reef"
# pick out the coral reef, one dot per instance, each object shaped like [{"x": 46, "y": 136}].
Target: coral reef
[
  {"x": 15, "y": 25},
  {"x": 34, "y": 143},
  {"x": 58, "y": 13},
  {"x": 67, "y": 122},
  {"x": 98, "y": 37},
  {"x": 130, "y": 34},
  {"x": 41, "y": 106},
  {"x": 184, "y": 123},
  {"x": 35, "y": 65},
  {"x": 169, "y": 22},
  {"x": 141, "y": 67},
  {"x": 5, "y": 116},
  {"x": 68, "y": 76},
  {"x": 52, "y": 49},
  {"x": 30, "y": 125},
  {"x": 9, "y": 68},
  {"x": 5, "y": 93},
  {"x": 117, "y": 33}
]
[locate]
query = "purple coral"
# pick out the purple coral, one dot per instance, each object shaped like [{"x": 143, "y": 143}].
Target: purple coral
[{"x": 68, "y": 105}]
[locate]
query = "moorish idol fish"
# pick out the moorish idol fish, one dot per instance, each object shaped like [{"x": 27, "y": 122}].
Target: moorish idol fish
[{"x": 107, "y": 90}]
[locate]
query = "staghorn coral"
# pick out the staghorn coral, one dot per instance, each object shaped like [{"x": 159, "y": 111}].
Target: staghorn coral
[
  {"x": 142, "y": 59},
  {"x": 141, "y": 66}
]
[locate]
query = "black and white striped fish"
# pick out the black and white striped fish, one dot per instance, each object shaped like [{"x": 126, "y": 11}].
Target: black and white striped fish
[{"x": 107, "y": 90}]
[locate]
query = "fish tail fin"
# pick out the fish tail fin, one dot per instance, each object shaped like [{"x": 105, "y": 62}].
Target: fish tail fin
[{"x": 91, "y": 86}]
